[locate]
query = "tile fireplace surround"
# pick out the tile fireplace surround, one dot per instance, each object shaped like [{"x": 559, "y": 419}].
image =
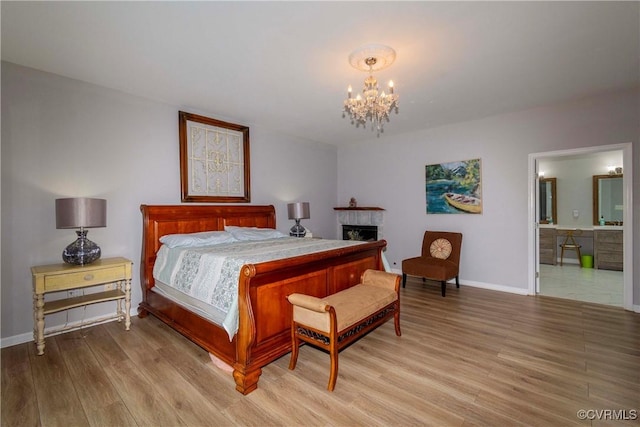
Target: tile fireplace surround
[{"x": 360, "y": 216}]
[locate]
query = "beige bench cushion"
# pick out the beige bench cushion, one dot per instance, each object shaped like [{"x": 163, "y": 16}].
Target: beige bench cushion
[{"x": 351, "y": 305}]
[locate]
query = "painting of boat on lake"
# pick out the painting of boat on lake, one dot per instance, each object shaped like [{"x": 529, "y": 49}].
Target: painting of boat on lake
[{"x": 454, "y": 188}]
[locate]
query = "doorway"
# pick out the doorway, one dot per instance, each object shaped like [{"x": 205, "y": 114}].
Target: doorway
[{"x": 579, "y": 215}]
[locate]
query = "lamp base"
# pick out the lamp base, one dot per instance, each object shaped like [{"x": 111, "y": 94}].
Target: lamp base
[
  {"x": 297, "y": 230},
  {"x": 82, "y": 251}
]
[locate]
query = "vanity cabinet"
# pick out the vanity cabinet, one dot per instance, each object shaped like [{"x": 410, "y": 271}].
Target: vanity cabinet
[
  {"x": 607, "y": 246},
  {"x": 547, "y": 246}
]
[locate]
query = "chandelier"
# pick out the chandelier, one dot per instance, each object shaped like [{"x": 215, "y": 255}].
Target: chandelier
[{"x": 371, "y": 106}]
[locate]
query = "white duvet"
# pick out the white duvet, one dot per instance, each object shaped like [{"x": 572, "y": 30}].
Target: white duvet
[{"x": 210, "y": 274}]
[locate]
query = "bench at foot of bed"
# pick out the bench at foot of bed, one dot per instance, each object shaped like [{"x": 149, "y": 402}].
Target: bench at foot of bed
[{"x": 333, "y": 322}]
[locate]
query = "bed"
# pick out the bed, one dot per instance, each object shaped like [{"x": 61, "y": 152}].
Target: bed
[{"x": 264, "y": 314}]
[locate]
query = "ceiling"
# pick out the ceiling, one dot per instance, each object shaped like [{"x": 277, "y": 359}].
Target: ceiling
[{"x": 284, "y": 66}]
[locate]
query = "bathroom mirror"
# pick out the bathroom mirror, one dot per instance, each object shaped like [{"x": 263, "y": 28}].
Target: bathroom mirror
[
  {"x": 548, "y": 209},
  {"x": 607, "y": 199}
]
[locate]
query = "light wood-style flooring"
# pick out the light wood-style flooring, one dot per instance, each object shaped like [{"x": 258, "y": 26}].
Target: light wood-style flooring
[{"x": 474, "y": 358}]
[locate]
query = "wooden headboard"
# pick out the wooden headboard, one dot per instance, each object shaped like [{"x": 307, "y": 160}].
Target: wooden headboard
[{"x": 159, "y": 220}]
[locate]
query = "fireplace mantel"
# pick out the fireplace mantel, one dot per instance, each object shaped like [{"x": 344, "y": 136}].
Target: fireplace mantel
[{"x": 358, "y": 209}]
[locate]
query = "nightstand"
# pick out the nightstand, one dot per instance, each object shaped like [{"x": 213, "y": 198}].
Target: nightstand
[{"x": 114, "y": 274}]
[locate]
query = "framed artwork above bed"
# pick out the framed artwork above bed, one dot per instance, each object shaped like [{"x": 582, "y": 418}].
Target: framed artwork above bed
[{"x": 214, "y": 160}]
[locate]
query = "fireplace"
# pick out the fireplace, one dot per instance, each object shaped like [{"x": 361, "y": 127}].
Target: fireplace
[
  {"x": 367, "y": 233},
  {"x": 355, "y": 223}
]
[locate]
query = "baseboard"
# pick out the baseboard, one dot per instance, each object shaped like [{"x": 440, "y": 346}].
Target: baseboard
[
  {"x": 55, "y": 330},
  {"x": 492, "y": 287},
  {"x": 482, "y": 285}
]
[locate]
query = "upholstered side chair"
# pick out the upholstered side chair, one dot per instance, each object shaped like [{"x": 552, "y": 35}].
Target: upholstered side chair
[{"x": 440, "y": 259}]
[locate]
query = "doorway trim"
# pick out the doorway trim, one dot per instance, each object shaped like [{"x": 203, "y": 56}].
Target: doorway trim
[{"x": 627, "y": 188}]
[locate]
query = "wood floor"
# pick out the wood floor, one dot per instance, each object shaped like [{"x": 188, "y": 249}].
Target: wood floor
[{"x": 474, "y": 358}]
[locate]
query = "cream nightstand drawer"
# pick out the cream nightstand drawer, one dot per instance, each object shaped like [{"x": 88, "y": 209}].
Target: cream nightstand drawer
[{"x": 60, "y": 282}]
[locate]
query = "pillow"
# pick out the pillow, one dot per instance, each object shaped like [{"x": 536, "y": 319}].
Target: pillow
[
  {"x": 204, "y": 238},
  {"x": 440, "y": 248},
  {"x": 254, "y": 233}
]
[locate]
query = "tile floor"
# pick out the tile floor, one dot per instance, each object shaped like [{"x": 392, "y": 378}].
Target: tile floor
[{"x": 582, "y": 284}]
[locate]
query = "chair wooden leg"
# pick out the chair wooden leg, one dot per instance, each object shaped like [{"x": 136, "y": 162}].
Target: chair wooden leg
[
  {"x": 443, "y": 287},
  {"x": 457, "y": 282},
  {"x": 404, "y": 280},
  {"x": 579, "y": 257},
  {"x": 396, "y": 322}
]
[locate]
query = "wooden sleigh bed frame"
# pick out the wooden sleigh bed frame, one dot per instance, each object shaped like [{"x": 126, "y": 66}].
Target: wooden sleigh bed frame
[{"x": 264, "y": 312}]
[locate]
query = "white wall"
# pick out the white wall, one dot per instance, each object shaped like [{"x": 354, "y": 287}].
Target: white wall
[
  {"x": 390, "y": 173},
  {"x": 65, "y": 138}
]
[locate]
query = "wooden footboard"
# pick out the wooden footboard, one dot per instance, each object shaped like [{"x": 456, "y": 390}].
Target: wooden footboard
[{"x": 264, "y": 312}]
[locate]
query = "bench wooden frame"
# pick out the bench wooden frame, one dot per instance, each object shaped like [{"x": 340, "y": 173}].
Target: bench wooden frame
[{"x": 334, "y": 340}]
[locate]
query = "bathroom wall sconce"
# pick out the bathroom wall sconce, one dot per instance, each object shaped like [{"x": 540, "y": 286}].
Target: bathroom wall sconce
[{"x": 614, "y": 170}]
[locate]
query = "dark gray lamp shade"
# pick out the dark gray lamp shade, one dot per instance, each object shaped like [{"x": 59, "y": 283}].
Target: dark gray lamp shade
[
  {"x": 81, "y": 212},
  {"x": 298, "y": 211}
]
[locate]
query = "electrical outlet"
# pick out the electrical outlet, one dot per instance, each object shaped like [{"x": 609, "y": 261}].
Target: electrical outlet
[{"x": 110, "y": 286}]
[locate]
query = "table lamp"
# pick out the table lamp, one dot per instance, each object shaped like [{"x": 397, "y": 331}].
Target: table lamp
[
  {"x": 298, "y": 211},
  {"x": 81, "y": 212}
]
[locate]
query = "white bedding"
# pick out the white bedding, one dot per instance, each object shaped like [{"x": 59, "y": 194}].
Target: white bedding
[{"x": 206, "y": 278}]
